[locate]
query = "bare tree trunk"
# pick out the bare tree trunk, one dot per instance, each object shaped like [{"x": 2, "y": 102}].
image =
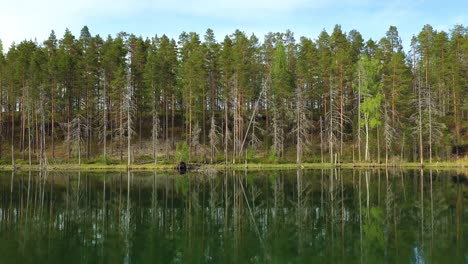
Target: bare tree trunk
[
  {"x": 79, "y": 140},
  {"x": 429, "y": 104},
  {"x": 23, "y": 125},
  {"x": 204, "y": 114},
  {"x": 140, "y": 124},
  {"x": 252, "y": 117},
  {"x": 129, "y": 123},
  {"x": 359, "y": 116},
  {"x": 387, "y": 136},
  {"x": 104, "y": 136},
  {"x": 234, "y": 138},
  {"x": 420, "y": 125},
  {"x": 189, "y": 125},
  {"x": 155, "y": 131},
  {"x": 378, "y": 145},
  {"x": 12, "y": 137},
  {"x": 1, "y": 117},
  {"x": 68, "y": 129},
  {"x": 36, "y": 130},
  {"x": 173, "y": 118},
  {"x": 88, "y": 125},
  {"x": 366, "y": 155},
  {"x": 321, "y": 140},
  {"x": 416, "y": 75},
  {"x": 430, "y": 123},
  {"x": 300, "y": 118},
  {"x": 166, "y": 124},
  {"x": 212, "y": 136},
  {"x": 226, "y": 127},
  {"x": 154, "y": 134},
  {"x": 28, "y": 110},
  {"x": 53, "y": 120},
  {"x": 330, "y": 138},
  {"x": 121, "y": 127},
  {"x": 341, "y": 112},
  {"x": 43, "y": 145}
]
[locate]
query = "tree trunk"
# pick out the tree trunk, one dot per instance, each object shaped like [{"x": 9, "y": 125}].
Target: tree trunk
[
  {"x": 330, "y": 138},
  {"x": 226, "y": 113},
  {"x": 1, "y": 118},
  {"x": 429, "y": 104},
  {"x": 321, "y": 140},
  {"x": 430, "y": 125},
  {"x": 28, "y": 110},
  {"x": 68, "y": 129},
  {"x": 173, "y": 117},
  {"x": 53, "y": 120},
  {"x": 166, "y": 124},
  {"x": 43, "y": 140},
  {"x": 129, "y": 119},
  {"x": 12, "y": 137},
  {"x": 378, "y": 145},
  {"x": 36, "y": 131},
  {"x": 366, "y": 155},
  {"x": 105, "y": 122},
  {"x": 359, "y": 116},
  {"x": 420, "y": 125},
  {"x": 140, "y": 124},
  {"x": 299, "y": 109},
  {"x": 341, "y": 112},
  {"x": 79, "y": 140},
  {"x": 88, "y": 125},
  {"x": 121, "y": 127},
  {"x": 204, "y": 115},
  {"x": 23, "y": 125}
]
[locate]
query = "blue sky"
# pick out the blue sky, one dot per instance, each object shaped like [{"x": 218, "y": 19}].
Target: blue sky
[{"x": 32, "y": 19}]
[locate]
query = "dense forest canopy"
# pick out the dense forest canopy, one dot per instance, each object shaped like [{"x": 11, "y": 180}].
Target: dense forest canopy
[{"x": 336, "y": 98}]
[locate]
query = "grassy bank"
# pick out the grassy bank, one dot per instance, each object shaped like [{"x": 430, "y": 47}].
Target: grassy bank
[{"x": 239, "y": 166}]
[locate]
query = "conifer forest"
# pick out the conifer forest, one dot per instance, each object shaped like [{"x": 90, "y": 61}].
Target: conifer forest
[{"x": 331, "y": 98}]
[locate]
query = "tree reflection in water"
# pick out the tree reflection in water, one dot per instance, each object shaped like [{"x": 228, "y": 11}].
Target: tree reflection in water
[{"x": 297, "y": 216}]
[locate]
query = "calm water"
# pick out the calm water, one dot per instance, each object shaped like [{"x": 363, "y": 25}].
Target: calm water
[{"x": 337, "y": 216}]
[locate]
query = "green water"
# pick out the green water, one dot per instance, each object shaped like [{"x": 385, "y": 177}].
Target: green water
[{"x": 311, "y": 216}]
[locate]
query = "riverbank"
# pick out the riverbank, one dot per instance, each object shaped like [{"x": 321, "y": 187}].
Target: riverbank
[{"x": 240, "y": 166}]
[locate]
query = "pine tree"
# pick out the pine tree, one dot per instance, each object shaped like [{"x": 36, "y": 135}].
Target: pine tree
[
  {"x": 281, "y": 94},
  {"x": 227, "y": 71},
  {"x": 2, "y": 106}
]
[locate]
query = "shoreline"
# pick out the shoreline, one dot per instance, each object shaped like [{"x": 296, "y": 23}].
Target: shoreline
[{"x": 240, "y": 166}]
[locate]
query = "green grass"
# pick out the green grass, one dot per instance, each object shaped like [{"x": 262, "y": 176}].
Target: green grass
[{"x": 251, "y": 166}]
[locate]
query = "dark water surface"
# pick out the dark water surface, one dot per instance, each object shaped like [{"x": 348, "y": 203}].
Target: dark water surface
[{"x": 311, "y": 216}]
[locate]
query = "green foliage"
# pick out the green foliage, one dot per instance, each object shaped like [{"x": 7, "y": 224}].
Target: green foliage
[
  {"x": 281, "y": 77},
  {"x": 250, "y": 154},
  {"x": 369, "y": 72},
  {"x": 272, "y": 157},
  {"x": 182, "y": 152},
  {"x": 371, "y": 107}
]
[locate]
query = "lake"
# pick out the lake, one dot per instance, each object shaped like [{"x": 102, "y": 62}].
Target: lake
[{"x": 303, "y": 216}]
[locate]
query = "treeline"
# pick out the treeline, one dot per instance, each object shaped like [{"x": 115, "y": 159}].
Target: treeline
[{"x": 337, "y": 98}]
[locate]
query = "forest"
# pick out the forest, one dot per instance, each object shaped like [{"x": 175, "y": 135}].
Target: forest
[{"x": 333, "y": 99}]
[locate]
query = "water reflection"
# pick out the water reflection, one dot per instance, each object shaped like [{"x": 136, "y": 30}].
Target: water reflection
[{"x": 329, "y": 215}]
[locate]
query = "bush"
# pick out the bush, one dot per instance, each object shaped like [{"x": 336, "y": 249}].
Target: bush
[
  {"x": 182, "y": 152},
  {"x": 272, "y": 158},
  {"x": 250, "y": 154}
]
